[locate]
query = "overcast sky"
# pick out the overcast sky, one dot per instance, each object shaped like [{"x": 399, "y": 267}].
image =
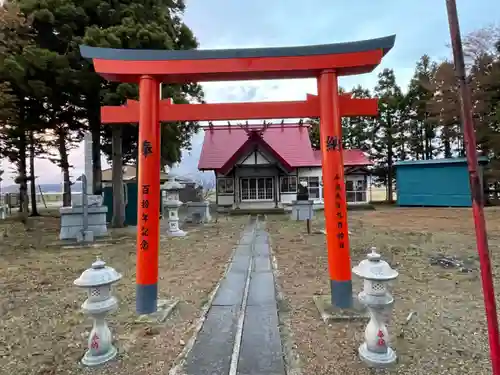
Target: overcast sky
[{"x": 420, "y": 26}]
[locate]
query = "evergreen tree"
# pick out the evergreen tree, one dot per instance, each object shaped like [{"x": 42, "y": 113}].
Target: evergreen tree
[
  {"x": 444, "y": 109},
  {"x": 158, "y": 25},
  {"x": 314, "y": 134},
  {"x": 54, "y": 108},
  {"x": 357, "y": 131},
  {"x": 387, "y": 129},
  {"x": 422, "y": 128},
  {"x": 22, "y": 68},
  {"x": 63, "y": 25},
  {"x": 485, "y": 84}
]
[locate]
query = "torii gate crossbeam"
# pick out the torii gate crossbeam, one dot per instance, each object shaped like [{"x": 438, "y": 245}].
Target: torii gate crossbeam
[{"x": 309, "y": 108}]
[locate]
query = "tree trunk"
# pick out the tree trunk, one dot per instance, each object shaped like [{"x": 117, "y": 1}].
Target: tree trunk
[
  {"x": 118, "y": 219},
  {"x": 447, "y": 147},
  {"x": 22, "y": 180},
  {"x": 95, "y": 130},
  {"x": 422, "y": 140},
  {"x": 93, "y": 106},
  {"x": 390, "y": 162},
  {"x": 21, "y": 170},
  {"x": 63, "y": 152},
  {"x": 34, "y": 209}
]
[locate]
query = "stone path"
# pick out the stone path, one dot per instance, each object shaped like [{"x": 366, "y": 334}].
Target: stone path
[{"x": 240, "y": 335}]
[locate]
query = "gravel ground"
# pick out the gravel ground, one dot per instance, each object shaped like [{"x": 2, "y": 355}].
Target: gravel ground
[
  {"x": 448, "y": 332},
  {"x": 42, "y": 328}
]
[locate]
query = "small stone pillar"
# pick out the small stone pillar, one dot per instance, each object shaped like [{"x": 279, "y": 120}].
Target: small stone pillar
[
  {"x": 376, "y": 273},
  {"x": 172, "y": 204},
  {"x": 98, "y": 280},
  {"x": 302, "y": 208}
]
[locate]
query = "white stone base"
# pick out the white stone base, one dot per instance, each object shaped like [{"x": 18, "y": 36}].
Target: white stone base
[
  {"x": 377, "y": 360},
  {"x": 72, "y": 222},
  {"x": 177, "y": 233},
  {"x": 90, "y": 360},
  {"x": 164, "y": 308}
]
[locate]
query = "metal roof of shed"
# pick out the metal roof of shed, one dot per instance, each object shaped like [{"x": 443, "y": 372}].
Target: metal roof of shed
[{"x": 481, "y": 160}]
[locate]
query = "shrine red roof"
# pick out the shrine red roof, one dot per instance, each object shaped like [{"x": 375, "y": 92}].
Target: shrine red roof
[
  {"x": 352, "y": 158},
  {"x": 224, "y": 146}
]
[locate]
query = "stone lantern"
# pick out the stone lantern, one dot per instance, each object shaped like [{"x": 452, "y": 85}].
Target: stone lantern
[
  {"x": 172, "y": 203},
  {"x": 376, "y": 273},
  {"x": 98, "y": 280}
]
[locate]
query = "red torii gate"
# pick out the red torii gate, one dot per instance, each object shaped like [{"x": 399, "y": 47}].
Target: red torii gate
[{"x": 326, "y": 63}]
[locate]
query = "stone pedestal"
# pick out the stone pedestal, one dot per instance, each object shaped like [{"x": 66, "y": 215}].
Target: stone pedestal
[
  {"x": 173, "y": 218},
  {"x": 302, "y": 210},
  {"x": 199, "y": 212},
  {"x": 72, "y": 221}
]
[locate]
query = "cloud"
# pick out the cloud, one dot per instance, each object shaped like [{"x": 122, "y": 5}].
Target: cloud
[{"x": 421, "y": 28}]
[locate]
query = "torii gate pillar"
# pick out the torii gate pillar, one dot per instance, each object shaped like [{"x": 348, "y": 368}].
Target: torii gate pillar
[
  {"x": 335, "y": 204},
  {"x": 148, "y": 202}
]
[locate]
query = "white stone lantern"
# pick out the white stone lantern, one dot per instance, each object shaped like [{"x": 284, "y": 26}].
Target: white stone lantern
[
  {"x": 98, "y": 280},
  {"x": 376, "y": 273},
  {"x": 172, "y": 204}
]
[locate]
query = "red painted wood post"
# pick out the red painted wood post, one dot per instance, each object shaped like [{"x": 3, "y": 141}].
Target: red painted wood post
[
  {"x": 476, "y": 188},
  {"x": 148, "y": 203},
  {"x": 337, "y": 235}
]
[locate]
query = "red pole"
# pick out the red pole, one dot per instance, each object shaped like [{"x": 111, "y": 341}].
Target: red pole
[
  {"x": 476, "y": 188},
  {"x": 337, "y": 235},
  {"x": 148, "y": 202}
]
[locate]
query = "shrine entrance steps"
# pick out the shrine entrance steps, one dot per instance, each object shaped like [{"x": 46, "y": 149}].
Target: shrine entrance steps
[{"x": 240, "y": 335}]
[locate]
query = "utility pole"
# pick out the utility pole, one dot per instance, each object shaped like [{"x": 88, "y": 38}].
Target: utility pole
[{"x": 476, "y": 187}]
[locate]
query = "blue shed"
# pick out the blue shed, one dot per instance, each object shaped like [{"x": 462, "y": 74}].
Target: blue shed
[{"x": 435, "y": 182}]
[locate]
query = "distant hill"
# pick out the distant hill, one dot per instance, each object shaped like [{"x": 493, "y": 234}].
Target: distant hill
[
  {"x": 46, "y": 188},
  {"x": 205, "y": 179}
]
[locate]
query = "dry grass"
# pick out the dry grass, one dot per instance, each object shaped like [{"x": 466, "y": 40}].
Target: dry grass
[
  {"x": 448, "y": 335},
  {"x": 42, "y": 328}
]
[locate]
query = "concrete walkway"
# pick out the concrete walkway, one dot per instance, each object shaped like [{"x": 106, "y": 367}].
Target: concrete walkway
[{"x": 240, "y": 335}]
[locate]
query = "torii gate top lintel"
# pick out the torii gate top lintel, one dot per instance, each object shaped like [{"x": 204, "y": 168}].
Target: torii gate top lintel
[{"x": 127, "y": 65}]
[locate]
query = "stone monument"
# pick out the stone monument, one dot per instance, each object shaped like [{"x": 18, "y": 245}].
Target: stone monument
[
  {"x": 199, "y": 212},
  {"x": 86, "y": 213}
]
